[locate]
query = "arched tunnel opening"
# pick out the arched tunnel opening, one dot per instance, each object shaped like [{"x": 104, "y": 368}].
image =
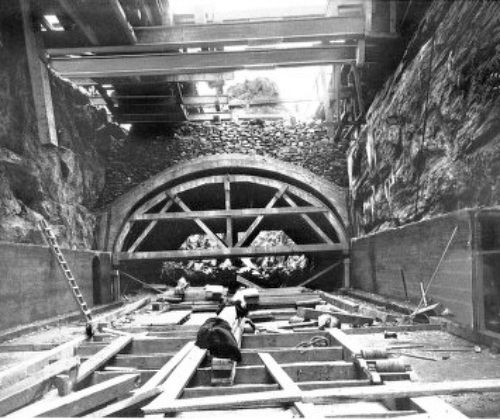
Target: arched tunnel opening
[{"x": 211, "y": 220}]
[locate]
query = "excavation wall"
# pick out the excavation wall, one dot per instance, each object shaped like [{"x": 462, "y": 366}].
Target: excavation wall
[
  {"x": 62, "y": 183},
  {"x": 380, "y": 260},
  {"x": 32, "y": 286},
  {"x": 432, "y": 139}
]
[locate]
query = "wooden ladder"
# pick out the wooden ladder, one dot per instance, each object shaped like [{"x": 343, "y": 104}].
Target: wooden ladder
[{"x": 75, "y": 290}]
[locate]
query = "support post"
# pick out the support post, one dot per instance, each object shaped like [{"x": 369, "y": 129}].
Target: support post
[
  {"x": 229, "y": 220},
  {"x": 347, "y": 272},
  {"x": 392, "y": 16},
  {"x": 40, "y": 82}
]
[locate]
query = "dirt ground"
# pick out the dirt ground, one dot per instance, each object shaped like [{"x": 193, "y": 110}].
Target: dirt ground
[{"x": 450, "y": 358}]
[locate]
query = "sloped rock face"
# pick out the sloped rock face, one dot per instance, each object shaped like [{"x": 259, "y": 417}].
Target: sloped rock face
[
  {"x": 432, "y": 140},
  {"x": 61, "y": 183}
]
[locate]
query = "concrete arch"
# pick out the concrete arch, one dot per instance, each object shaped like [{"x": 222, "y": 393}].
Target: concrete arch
[{"x": 114, "y": 222}]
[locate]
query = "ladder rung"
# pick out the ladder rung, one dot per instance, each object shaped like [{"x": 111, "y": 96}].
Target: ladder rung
[{"x": 51, "y": 239}]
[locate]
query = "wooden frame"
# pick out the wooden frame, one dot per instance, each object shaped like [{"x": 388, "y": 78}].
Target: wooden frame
[{"x": 283, "y": 191}]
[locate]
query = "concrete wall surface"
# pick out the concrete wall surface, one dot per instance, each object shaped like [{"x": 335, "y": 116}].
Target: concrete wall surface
[
  {"x": 378, "y": 259},
  {"x": 32, "y": 287}
]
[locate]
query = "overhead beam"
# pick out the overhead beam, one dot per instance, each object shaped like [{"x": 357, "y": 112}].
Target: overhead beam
[
  {"x": 283, "y": 30},
  {"x": 163, "y": 64},
  {"x": 176, "y": 78},
  {"x": 74, "y": 13},
  {"x": 233, "y": 213},
  {"x": 235, "y": 252},
  {"x": 165, "y": 38},
  {"x": 101, "y": 21}
]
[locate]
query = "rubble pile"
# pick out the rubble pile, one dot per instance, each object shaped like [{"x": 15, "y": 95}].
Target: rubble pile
[{"x": 135, "y": 159}]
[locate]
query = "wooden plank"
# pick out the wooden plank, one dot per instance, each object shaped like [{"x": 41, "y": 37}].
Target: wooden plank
[
  {"x": 81, "y": 401},
  {"x": 291, "y": 355},
  {"x": 191, "y": 392},
  {"x": 27, "y": 390},
  {"x": 151, "y": 388},
  {"x": 178, "y": 379},
  {"x": 319, "y": 232},
  {"x": 25, "y": 369},
  {"x": 40, "y": 82},
  {"x": 186, "y": 77},
  {"x": 102, "y": 357},
  {"x": 205, "y": 391},
  {"x": 281, "y": 340},
  {"x": 307, "y": 410},
  {"x": 223, "y": 402},
  {"x": 160, "y": 64},
  {"x": 148, "y": 228},
  {"x": 197, "y": 220},
  {"x": 320, "y": 274},
  {"x": 305, "y": 371},
  {"x": 235, "y": 252},
  {"x": 162, "y": 319},
  {"x": 151, "y": 344},
  {"x": 164, "y": 38},
  {"x": 129, "y": 308},
  {"x": 349, "y": 345},
  {"x": 338, "y": 301},
  {"x": 26, "y": 347},
  {"x": 391, "y": 390},
  {"x": 232, "y": 213}
]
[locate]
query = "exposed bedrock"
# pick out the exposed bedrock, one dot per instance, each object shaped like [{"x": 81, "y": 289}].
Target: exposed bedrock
[
  {"x": 62, "y": 183},
  {"x": 432, "y": 140}
]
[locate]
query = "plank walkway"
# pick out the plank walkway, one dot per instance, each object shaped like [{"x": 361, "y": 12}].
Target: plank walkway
[{"x": 149, "y": 365}]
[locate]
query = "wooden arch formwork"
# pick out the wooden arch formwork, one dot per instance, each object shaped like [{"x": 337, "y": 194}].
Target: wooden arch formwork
[{"x": 229, "y": 198}]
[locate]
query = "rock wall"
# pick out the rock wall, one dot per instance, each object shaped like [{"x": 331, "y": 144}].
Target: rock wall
[
  {"x": 62, "y": 183},
  {"x": 136, "y": 159},
  {"x": 432, "y": 140}
]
